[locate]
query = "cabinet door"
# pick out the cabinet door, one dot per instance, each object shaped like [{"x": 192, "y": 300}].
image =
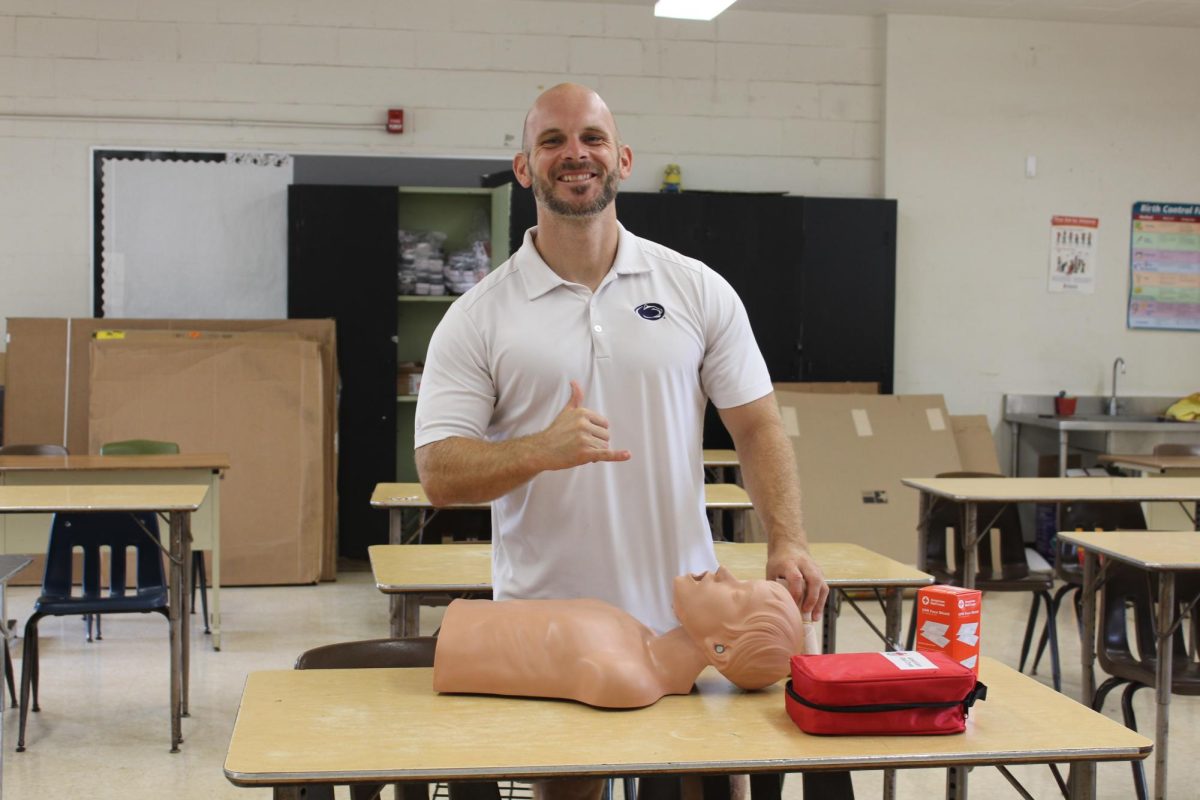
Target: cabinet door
[
  {"x": 847, "y": 290},
  {"x": 342, "y": 254}
]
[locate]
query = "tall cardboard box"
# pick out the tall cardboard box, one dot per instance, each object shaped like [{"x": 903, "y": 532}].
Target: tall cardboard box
[
  {"x": 851, "y": 453},
  {"x": 254, "y": 397},
  {"x": 48, "y": 400}
]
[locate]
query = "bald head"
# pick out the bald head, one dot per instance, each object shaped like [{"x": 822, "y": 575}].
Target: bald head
[{"x": 565, "y": 99}]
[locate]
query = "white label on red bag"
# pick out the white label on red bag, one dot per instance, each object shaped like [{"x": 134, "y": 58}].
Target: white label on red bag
[{"x": 909, "y": 659}]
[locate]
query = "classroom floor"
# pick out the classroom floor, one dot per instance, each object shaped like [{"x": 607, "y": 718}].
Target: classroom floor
[{"x": 103, "y": 731}]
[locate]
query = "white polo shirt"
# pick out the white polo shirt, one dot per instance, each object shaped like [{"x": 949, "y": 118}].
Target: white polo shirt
[{"x": 660, "y": 334}]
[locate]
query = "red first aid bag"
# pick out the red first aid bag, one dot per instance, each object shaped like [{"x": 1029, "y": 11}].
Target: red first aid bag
[{"x": 881, "y": 693}]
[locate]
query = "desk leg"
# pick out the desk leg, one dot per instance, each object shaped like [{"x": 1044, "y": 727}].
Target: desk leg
[
  {"x": 956, "y": 783},
  {"x": 829, "y": 620},
  {"x": 1062, "y": 454},
  {"x": 215, "y": 596},
  {"x": 893, "y": 605},
  {"x": 1014, "y": 458},
  {"x": 739, "y": 525},
  {"x": 185, "y": 602},
  {"x": 174, "y": 607},
  {"x": 924, "y": 502},
  {"x": 1166, "y": 617},
  {"x": 1081, "y": 783},
  {"x": 406, "y": 615},
  {"x": 970, "y": 545},
  {"x": 1087, "y": 644}
]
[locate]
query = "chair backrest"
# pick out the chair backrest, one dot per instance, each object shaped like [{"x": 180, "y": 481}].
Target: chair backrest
[
  {"x": 371, "y": 653},
  {"x": 1127, "y": 587},
  {"x": 1176, "y": 449},
  {"x": 118, "y": 531},
  {"x": 139, "y": 447},
  {"x": 33, "y": 450}
]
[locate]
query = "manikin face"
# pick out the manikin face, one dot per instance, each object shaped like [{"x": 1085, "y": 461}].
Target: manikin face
[
  {"x": 572, "y": 158},
  {"x": 711, "y": 601}
]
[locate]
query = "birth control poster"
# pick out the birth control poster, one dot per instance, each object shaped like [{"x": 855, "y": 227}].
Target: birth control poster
[
  {"x": 1164, "y": 266},
  {"x": 1073, "y": 244}
]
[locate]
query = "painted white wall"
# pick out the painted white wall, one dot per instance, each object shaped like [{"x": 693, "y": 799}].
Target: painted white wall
[
  {"x": 1112, "y": 114},
  {"x": 753, "y": 101}
]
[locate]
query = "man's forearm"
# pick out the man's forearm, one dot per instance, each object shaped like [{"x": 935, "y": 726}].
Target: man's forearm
[
  {"x": 769, "y": 473},
  {"x": 462, "y": 470}
]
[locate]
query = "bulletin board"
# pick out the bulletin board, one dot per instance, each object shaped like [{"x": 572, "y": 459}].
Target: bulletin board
[{"x": 1164, "y": 266}]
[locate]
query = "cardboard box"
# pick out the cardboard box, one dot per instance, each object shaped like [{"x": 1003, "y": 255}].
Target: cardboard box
[
  {"x": 851, "y": 452},
  {"x": 949, "y": 620},
  {"x": 976, "y": 447},
  {"x": 48, "y": 399}
]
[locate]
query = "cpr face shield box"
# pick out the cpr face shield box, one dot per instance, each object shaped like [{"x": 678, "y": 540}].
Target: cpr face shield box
[{"x": 902, "y": 693}]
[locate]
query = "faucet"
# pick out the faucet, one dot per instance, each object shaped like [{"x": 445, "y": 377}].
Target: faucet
[{"x": 1119, "y": 364}]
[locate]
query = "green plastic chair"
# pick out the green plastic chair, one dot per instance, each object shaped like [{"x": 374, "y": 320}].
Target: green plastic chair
[{"x": 152, "y": 447}]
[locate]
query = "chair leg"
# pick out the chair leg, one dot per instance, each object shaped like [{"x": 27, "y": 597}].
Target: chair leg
[
  {"x": 1055, "y": 662},
  {"x": 1054, "y": 605},
  {"x": 200, "y": 578},
  {"x": 87, "y": 626},
  {"x": 29, "y": 646},
  {"x": 36, "y": 670},
  {"x": 1139, "y": 769},
  {"x": 9, "y": 674},
  {"x": 1102, "y": 692},
  {"x": 1030, "y": 627}
]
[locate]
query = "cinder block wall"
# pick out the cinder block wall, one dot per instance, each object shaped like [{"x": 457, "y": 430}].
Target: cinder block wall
[{"x": 752, "y": 101}]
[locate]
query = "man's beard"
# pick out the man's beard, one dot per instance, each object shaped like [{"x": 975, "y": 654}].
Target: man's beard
[{"x": 542, "y": 192}]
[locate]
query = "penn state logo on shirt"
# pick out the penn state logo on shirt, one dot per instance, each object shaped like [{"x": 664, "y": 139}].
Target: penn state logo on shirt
[{"x": 651, "y": 311}]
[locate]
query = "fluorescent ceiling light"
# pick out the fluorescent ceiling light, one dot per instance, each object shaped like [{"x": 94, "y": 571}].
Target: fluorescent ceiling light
[{"x": 691, "y": 9}]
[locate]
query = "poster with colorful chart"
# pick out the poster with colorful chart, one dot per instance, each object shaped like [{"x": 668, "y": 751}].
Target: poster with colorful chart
[{"x": 1164, "y": 266}]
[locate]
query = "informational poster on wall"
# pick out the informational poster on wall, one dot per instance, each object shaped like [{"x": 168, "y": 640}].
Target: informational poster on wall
[
  {"x": 1073, "y": 246},
  {"x": 1164, "y": 266}
]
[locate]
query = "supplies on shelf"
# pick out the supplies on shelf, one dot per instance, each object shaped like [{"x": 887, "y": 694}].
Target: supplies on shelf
[
  {"x": 422, "y": 262},
  {"x": 467, "y": 267},
  {"x": 424, "y": 268}
]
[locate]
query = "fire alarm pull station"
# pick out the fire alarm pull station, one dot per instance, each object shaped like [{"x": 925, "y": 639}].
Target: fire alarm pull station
[{"x": 395, "y": 120}]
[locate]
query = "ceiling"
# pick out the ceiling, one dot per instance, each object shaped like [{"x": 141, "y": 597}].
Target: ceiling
[{"x": 1120, "y": 12}]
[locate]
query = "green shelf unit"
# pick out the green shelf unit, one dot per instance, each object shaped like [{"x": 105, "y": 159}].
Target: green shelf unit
[{"x": 457, "y": 212}]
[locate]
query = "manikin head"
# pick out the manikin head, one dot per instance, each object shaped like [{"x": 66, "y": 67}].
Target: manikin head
[{"x": 748, "y": 629}]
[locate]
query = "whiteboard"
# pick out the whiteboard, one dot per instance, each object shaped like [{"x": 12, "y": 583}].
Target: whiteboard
[{"x": 195, "y": 239}]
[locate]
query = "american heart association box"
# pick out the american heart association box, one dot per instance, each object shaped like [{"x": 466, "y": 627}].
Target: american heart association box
[{"x": 948, "y": 621}]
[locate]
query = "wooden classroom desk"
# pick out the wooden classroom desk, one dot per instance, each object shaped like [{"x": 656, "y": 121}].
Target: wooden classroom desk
[
  {"x": 29, "y": 534},
  {"x": 724, "y": 465},
  {"x": 973, "y": 491},
  {"x": 410, "y": 570},
  {"x": 296, "y": 728},
  {"x": 179, "y": 503},
  {"x": 1164, "y": 553},
  {"x": 1179, "y": 466},
  {"x": 396, "y": 497}
]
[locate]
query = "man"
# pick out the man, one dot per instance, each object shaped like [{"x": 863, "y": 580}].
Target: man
[{"x": 569, "y": 388}]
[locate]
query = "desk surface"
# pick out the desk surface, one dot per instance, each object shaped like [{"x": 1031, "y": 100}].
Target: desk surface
[
  {"x": 721, "y": 458},
  {"x": 1013, "y": 490},
  {"x": 417, "y": 568},
  {"x": 411, "y": 495},
  {"x": 385, "y": 725},
  {"x": 1147, "y": 461},
  {"x": 1150, "y": 550},
  {"x": 168, "y": 461},
  {"x": 49, "y": 499}
]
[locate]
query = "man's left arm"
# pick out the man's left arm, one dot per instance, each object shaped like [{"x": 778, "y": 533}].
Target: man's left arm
[{"x": 769, "y": 473}]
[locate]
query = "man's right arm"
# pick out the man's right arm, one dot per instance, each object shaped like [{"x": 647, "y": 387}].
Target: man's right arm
[{"x": 459, "y": 469}]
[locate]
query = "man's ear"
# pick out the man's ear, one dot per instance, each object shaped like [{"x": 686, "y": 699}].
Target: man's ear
[
  {"x": 521, "y": 170},
  {"x": 625, "y": 160}
]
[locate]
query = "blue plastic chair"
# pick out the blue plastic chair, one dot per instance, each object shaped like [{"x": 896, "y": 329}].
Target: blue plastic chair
[
  {"x": 118, "y": 531},
  {"x": 153, "y": 447}
]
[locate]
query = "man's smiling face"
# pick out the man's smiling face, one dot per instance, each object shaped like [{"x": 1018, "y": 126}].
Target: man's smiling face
[{"x": 571, "y": 154}]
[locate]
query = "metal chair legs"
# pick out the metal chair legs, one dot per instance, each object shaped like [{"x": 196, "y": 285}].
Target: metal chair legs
[{"x": 200, "y": 578}]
